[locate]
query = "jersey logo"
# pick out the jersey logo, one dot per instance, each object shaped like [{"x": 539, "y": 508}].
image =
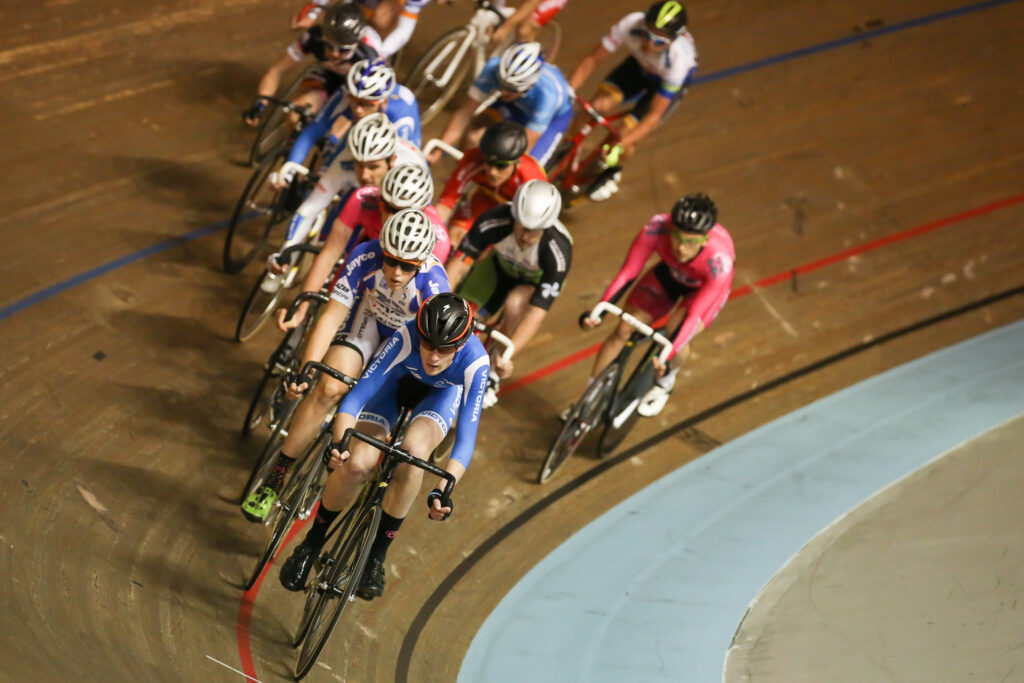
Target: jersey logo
[
  {"x": 549, "y": 290},
  {"x": 720, "y": 265}
]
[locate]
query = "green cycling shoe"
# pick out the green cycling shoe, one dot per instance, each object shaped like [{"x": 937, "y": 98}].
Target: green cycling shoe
[{"x": 258, "y": 505}]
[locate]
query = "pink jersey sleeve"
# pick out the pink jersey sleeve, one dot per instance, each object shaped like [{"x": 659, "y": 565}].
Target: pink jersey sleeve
[
  {"x": 361, "y": 212},
  {"x": 641, "y": 249},
  {"x": 716, "y": 266},
  {"x": 443, "y": 245}
]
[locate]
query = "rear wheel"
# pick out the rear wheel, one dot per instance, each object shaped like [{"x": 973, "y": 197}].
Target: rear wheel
[
  {"x": 268, "y": 455},
  {"x": 294, "y": 502},
  {"x": 423, "y": 76},
  {"x": 254, "y": 216},
  {"x": 583, "y": 417},
  {"x": 346, "y": 564},
  {"x": 621, "y": 415}
]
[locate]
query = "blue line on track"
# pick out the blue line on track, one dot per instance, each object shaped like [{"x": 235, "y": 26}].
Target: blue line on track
[{"x": 57, "y": 288}]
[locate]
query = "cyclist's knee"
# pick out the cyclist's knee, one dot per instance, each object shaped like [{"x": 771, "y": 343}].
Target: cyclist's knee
[{"x": 329, "y": 391}]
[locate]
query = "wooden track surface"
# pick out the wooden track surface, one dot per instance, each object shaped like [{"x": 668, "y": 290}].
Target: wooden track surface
[{"x": 121, "y": 549}]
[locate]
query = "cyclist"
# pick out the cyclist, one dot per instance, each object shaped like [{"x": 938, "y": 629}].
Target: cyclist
[
  {"x": 338, "y": 41},
  {"x": 436, "y": 365},
  {"x": 527, "y": 20},
  {"x": 518, "y": 86},
  {"x": 498, "y": 167},
  {"x": 693, "y": 277},
  {"x": 529, "y": 252},
  {"x": 373, "y": 147},
  {"x": 407, "y": 186},
  {"x": 395, "y": 18},
  {"x": 379, "y": 291},
  {"x": 662, "y": 58}
]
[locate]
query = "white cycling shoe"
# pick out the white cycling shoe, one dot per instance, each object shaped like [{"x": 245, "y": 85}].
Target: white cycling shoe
[
  {"x": 655, "y": 399},
  {"x": 606, "y": 186}
]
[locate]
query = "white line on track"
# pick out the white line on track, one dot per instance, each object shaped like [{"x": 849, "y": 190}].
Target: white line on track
[{"x": 233, "y": 669}]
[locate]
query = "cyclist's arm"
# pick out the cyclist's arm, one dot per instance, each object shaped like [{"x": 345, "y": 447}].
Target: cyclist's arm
[
  {"x": 271, "y": 80},
  {"x": 587, "y": 66},
  {"x": 400, "y": 35},
  {"x": 453, "y": 189},
  {"x": 308, "y": 138},
  {"x": 458, "y": 266},
  {"x": 460, "y": 119},
  {"x": 639, "y": 252},
  {"x": 659, "y": 105},
  {"x": 706, "y": 304},
  {"x": 469, "y": 411},
  {"x": 332, "y": 318},
  {"x": 473, "y": 244},
  {"x": 511, "y": 23}
]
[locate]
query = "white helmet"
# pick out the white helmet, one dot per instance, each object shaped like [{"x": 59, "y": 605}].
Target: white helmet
[
  {"x": 408, "y": 235},
  {"x": 373, "y": 137},
  {"x": 536, "y": 205},
  {"x": 371, "y": 80},
  {"x": 520, "y": 66},
  {"x": 408, "y": 186}
]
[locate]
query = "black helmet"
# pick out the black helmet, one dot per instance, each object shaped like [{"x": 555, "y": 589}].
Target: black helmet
[
  {"x": 445, "y": 321},
  {"x": 695, "y": 213},
  {"x": 343, "y": 24},
  {"x": 503, "y": 142},
  {"x": 668, "y": 16}
]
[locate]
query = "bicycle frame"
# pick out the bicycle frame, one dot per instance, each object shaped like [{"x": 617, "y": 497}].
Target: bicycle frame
[
  {"x": 476, "y": 39},
  {"x": 572, "y": 167}
]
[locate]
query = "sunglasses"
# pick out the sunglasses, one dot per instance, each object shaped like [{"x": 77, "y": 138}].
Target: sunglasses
[
  {"x": 657, "y": 40},
  {"x": 406, "y": 266},
  {"x": 332, "y": 47},
  {"x": 498, "y": 163},
  {"x": 444, "y": 350},
  {"x": 689, "y": 240}
]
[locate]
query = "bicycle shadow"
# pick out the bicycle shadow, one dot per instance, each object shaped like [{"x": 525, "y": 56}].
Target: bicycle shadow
[{"x": 200, "y": 186}]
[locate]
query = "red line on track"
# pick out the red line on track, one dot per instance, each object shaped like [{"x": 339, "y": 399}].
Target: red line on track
[
  {"x": 784, "y": 276},
  {"x": 248, "y": 601}
]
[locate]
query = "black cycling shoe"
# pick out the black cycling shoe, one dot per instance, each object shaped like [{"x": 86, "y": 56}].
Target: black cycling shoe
[
  {"x": 295, "y": 569},
  {"x": 372, "y": 584}
]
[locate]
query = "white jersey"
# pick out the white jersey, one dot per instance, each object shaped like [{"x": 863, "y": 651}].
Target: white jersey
[{"x": 672, "y": 66}]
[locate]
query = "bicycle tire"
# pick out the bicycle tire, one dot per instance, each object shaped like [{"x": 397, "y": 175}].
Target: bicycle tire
[
  {"x": 259, "y": 306},
  {"x": 636, "y": 386},
  {"x": 282, "y": 360},
  {"x": 346, "y": 568},
  {"x": 268, "y": 454},
  {"x": 293, "y": 500},
  {"x": 417, "y": 82},
  {"x": 583, "y": 417},
  {"x": 254, "y": 215}
]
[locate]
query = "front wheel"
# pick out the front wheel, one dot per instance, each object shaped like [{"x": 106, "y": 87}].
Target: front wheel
[
  {"x": 621, "y": 415},
  {"x": 583, "y": 417},
  {"x": 260, "y": 304},
  {"x": 344, "y": 568},
  {"x": 254, "y": 216},
  {"x": 433, "y": 65}
]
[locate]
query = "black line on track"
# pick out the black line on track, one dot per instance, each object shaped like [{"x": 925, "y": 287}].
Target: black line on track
[{"x": 471, "y": 560}]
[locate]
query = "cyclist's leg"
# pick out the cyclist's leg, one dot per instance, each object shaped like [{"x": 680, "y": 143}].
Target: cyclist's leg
[{"x": 549, "y": 139}]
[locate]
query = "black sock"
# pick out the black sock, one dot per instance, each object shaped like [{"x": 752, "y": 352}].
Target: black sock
[
  {"x": 277, "y": 475},
  {"x": 317, "y": 533},
  {"x": 386, "y": 533}
]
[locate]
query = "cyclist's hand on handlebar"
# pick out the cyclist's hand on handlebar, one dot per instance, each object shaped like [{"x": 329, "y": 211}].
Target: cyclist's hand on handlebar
[
  {"x": 295, "y": 386},
  {"x": 503, "y": 367},
  {"x": 435, "y": 510},
  {"x": 434, "y": 157},
  {"x": 659, "y": 367},
  {"x": 588, "y": 323},
  {"x": 338, "y": 458},
  {"x": 287, "y": 174},
  {"x": 306, "y": 17},
  {"x": 274, "y": 266},
  {"x": 251, "y": 116},
  {"x": 284, "y": 324}
]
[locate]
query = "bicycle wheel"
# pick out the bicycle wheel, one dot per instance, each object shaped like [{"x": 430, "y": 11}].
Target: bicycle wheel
[
  {"x": 283, "y": 360},
  {"x": 622, "y": 413},
  {"x": 422, "y": 78},
  {"x": 254, "y": 215},
  {"x": 273, "y": 132},
  {"x": 346, "y": 568},
  {"x": 294, "y": 502},
  {"x": 259, "y": 305},
  {"x": 268, "y": 454},
  {"x": 583, "y": 416}
]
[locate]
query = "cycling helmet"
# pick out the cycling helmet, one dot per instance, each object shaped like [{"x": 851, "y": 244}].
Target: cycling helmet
[
  {"x": 373, "y": 137},
  {"x": 503, "y": 142},
  {"x": 536, "y": 205},
  {"x": 668, "y": 16},
  {"x": 408, "y": 186},
  {"x": 343, "y": 25},
  {"x": 520, "y": 67},
  {"x": 371, "y": 79},
  {"x": 695, "y": 213},
  {"x": 408, "y": 235},
  {"x": 445, "y": 321}
]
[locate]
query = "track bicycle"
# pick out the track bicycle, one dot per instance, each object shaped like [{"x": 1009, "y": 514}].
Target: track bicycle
[
  {"x": 442, "y": 70},
  {"x": 270, "y": 288},
  {"x": 276, "y": 126},
  {"x": 263, "y": 205},
  {"x": 338, "y": 571},
  {"x": 608, "y": 401},
  {"x": 577, "y": 164},
  {"x": 299, "y": 496},
  {"x": 266, "y": 404}
]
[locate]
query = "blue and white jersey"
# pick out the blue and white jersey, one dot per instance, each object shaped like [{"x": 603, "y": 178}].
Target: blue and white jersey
[
  {"x": 548, "y": 99},
  {"x": 392, "y": 308},
  {"x": 401, "y": 356},
  {"x": 402, "y": 110}
]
